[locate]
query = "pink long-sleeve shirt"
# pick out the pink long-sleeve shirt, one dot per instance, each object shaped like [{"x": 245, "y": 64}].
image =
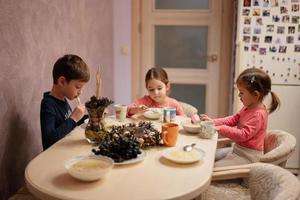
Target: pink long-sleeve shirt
[
  {"x": 150, "y": 103},
  {"x": 247, "y": 127}
]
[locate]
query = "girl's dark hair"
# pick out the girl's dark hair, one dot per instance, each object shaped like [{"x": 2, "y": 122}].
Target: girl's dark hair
[
  {"x": 157, "y": 73},
  {"x": 72, "y": 67},
  {"x": 254, "y": 79}
]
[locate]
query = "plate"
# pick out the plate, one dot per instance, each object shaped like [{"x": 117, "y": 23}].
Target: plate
[
  {"x": 176, "y": 154},
  {"x": 140, "y": 158},
  {"x": 150, "y": 114}
]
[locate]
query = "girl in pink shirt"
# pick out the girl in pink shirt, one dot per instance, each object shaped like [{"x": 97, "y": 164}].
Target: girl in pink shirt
[
  {"x": 158, "y": 87},
  {"x": 247, "y": 128}
]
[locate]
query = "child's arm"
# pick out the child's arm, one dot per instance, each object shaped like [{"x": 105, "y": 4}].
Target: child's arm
[
  {"x": 249, "y": 129},
  {"x": 81, "y": 121},
  {"x": 229, "y": 121},
  {"x": 140, "y": 105},
  {"x": 136, "y": 109},
  {"x": 179, "y": 110},
  {"x": 51, "y": 132},
  {"x": 78, "y": 113}
]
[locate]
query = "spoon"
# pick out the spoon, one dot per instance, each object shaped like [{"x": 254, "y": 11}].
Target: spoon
[{"x": 189, "y": 147}]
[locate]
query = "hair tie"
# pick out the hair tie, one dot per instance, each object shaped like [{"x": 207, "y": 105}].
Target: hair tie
[{"x": 252, "y": 79}]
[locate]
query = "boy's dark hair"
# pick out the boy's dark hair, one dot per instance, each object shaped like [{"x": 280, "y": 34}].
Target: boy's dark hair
[{"x": 72, "y": 67}]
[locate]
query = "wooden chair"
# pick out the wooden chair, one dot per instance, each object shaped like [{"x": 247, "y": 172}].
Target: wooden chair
[
  {"x": 266, "y": 182},
  {"x": 188, "y": 109}
]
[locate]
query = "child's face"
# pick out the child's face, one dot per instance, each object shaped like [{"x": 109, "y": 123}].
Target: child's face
[
  {"x": 157, "y": 90},
  {"x": 248, "y": 99},
  {"x": 72, "y": 89}
]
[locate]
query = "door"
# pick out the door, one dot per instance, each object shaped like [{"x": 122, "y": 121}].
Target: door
[{"x": 183, "y": 37}]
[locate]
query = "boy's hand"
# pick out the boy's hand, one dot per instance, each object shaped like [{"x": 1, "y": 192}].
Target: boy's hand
[
  {"x": 78, "y": 113},
  {"x": 204, "y": 117}
]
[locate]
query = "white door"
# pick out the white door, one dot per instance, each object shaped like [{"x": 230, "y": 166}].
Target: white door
[{"x": 183, "y": 37}]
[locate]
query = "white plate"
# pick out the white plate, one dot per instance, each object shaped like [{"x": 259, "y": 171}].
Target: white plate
[
  {"x": 176, "y": 154},
  {"x": 152, "y": 115},
  {"x": 140, "y": 158}
]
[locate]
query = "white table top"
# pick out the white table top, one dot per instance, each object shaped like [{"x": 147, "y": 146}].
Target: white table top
[{"x": 153, "y": 178}]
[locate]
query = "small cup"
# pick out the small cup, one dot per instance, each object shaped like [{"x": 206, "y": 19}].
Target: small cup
[
  {"x": 121, "y": 112},
  {"x": 170, "y": 133},
  {"x": 207, "y": 129},
  {"x": 169, "y": 115}
]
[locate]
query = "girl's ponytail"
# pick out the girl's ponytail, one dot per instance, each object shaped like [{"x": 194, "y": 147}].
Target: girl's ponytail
[{"x": 275, "y": 103}]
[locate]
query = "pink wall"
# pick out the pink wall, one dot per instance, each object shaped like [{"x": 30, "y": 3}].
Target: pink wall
[
  {"x": 122, "y": 61},
  {"x": 33, "y": 34}
]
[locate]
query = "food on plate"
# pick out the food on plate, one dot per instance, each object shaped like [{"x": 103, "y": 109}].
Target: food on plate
[
  {"x": 89, "y": 168},
  {"x": 184, "y": 155},
  {"x": 125, "y": 142},
  {"x": 89, "y": 165},
  {"x": 153, "y": 113},
  {"x": 178, "y": 155},
  {"x": 119, "y": 147},
  {"x": 144, "y": 131}
]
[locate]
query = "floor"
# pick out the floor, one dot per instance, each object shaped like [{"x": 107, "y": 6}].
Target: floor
[{"x": 23, "y": 194}]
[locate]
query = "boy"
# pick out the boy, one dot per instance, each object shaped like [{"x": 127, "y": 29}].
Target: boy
[{"x": 70, "y": 74}]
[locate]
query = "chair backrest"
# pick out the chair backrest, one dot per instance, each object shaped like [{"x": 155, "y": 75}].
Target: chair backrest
[
  {"x": 188, "y": 109},
  {"x": 270, "y": 182},
  {"x": 278, "y": 147}
]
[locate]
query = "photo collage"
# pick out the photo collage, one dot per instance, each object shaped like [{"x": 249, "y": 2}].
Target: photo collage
[{"x": 270, "y": 32}]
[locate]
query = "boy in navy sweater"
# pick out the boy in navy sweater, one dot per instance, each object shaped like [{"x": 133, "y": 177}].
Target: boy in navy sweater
[{"x": 70, "y": 74}]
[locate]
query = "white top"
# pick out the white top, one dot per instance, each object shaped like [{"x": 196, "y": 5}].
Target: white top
[{"x": 153, "y": 178}]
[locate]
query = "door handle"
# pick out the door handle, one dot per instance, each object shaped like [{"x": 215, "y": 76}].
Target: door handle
[{"x": 212, "y": 58}]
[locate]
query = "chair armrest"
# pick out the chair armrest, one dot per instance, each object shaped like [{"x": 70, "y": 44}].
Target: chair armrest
[
  {"x": 223, "y": 142},
  {"x": 231, "y": 172}
]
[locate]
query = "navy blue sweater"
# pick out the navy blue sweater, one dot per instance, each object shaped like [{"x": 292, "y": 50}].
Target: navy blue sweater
[{"x": 55, "y": 119}]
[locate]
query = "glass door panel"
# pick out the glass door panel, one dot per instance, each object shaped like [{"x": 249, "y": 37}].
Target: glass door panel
[
  {"x": 193, "y": 94},
  {"x": 186, "y": 43},
  {"x": 181, "y": 46},
  {"x": 182, "y": 4}
]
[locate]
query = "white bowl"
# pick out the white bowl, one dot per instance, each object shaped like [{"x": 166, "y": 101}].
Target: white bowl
[
  {"x": 89, "y": 168},
  {"x": 151, "y": 114},
  {"x": 191, "y": 128}
]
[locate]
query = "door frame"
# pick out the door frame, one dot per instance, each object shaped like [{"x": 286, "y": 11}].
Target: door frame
[{"x": 225, "y": 70}]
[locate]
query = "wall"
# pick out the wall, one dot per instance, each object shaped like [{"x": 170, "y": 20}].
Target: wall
[
  {"x": 122, "y": 51},
  {"x": 33, "y": 34}
]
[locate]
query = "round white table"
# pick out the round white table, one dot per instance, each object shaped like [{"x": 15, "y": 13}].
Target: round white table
[{"x": 153, "y": 178}]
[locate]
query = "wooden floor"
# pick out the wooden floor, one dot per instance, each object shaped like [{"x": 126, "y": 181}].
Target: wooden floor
[{"x": 23, "y": 194}]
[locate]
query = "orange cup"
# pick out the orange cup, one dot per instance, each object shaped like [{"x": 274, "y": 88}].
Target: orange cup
[{"x": 170, "y": 133}]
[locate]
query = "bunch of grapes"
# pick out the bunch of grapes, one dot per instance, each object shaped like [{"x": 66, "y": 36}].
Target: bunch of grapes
[{"x": 119, "y": 147}]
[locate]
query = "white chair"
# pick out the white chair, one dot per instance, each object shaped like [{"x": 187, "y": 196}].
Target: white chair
[
  {"x": 266, "y": 182},
  {"x": 278, "y": 147},
  {"x": 188, "y": 109}
]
